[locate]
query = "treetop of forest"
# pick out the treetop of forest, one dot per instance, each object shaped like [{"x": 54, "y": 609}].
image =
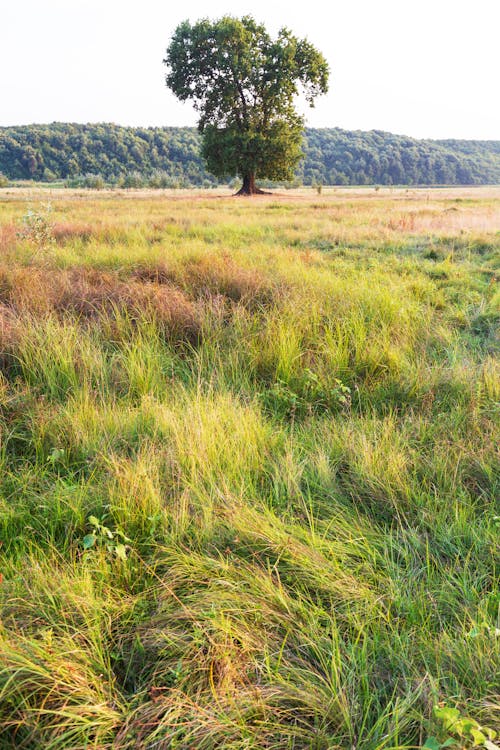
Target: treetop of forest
[{"x": 171, "y": 157}]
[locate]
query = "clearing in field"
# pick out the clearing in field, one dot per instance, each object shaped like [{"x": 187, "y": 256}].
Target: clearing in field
[{"x": 249, "y": 470}]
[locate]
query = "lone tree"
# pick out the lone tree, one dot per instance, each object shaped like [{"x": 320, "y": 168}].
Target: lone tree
[{"x": 243, "y": 84}]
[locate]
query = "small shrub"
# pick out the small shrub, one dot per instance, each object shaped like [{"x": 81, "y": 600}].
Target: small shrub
[
  {"x": 159, "y": 179},
  {"x": 94, "y": 182},
  {"x": 133, "y": 180},
  {"x": 37, "y": 229},
  {"x": 305, "y": 396},
  {"x": 461, "y": 730},
  {"x": 101, "y": 536}
]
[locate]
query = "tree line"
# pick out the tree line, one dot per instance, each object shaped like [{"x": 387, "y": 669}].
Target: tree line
[{"x": 97, "y": 154}]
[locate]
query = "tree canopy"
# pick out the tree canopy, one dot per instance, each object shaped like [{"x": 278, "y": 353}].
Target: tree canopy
[
  {"x": 243, "y": 83},
  {"x": 88, "y": 155}
]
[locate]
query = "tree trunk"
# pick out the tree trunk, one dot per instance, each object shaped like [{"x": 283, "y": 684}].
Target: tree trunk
[{"x": 249, "y": 187}]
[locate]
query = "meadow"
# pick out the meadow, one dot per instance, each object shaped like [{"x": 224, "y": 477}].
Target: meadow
[{"x": 249, "y": 470}]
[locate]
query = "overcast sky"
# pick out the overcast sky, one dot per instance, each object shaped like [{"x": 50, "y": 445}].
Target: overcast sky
[{"x": 429, "y": 69}]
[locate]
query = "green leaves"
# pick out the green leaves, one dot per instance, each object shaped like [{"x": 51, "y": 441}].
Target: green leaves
[
  {"x": 88, "y": 541},
  {"x": 103, "y": 536},
  {"x": 306, "y": 396},
  {"x": 56, "y": 456},
  {"x": 270, "y": 152},
  {"x": 484, "y": 629},
  {"x": 432, "y": 743},
  {"x": 447, "y": 715},
  {"x": 464, "y": 728},
  {"x": 243, "y": 84},
  {"x": 120, "y": 551}
]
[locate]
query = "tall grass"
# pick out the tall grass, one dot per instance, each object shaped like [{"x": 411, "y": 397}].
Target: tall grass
[{"x": 249, "y": 472}]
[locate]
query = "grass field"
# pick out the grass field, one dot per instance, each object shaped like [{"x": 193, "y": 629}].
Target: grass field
[{"x": 249, "y": 470}]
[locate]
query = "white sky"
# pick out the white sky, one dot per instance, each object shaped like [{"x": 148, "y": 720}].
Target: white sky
[{"x": 429, "y": 69}]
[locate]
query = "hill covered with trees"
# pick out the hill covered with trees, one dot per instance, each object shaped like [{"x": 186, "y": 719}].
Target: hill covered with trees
[{"x": 170, "y": 157}]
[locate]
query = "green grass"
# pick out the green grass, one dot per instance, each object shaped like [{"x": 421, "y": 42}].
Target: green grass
[{"x": 287, "y": 410}]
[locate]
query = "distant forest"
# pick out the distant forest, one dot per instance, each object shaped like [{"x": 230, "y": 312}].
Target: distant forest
[{"x": 92, "y": 155}]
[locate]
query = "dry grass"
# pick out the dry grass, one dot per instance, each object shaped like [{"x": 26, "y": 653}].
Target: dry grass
[
  {"x": 9, "y": 336},
  {"x": 8, "y": 237},
  {"x": 214, "y": 275},
  {"x": 66, "y": 232},
  {"x": 91, "y": 294}
]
